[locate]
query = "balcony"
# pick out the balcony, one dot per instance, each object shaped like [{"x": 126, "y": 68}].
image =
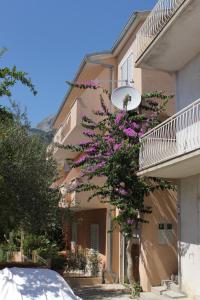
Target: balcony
[
  {"x": 171, "y": 150},
  {"x": 169, "y": 38},
  {"x": 77, "y": 201},
  {"x": 70, "y": 131}
]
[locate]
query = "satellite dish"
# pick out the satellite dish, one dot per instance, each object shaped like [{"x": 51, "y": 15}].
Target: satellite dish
[{"x": 126, "y": 98}]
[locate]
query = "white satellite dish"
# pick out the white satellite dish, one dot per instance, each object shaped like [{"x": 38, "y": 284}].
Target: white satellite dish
[{"x": 126, "y": 97}]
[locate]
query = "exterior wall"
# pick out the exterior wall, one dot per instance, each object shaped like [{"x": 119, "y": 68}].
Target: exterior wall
[
  {"x": 190, "y": 235},
  {"x": 90, "y": 72},
  {"x": 85, "y": 219},
  {"x": 158, "y": 262},
  {"x": 146, "y": 81},
  {"x": 187, "y": 83},
  {"x": 115, "y": 248}
]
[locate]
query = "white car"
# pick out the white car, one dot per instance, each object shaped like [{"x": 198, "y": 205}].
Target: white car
[{"x": 34, "y": 284}]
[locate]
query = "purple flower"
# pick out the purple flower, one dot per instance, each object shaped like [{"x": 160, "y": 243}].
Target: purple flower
[
  {"x": 118, "y": 118},
  {"x": 90, "y": 150},
  {"x": 141, "y": 133},
  {"x": 135, "y": 125},
  {"x": 81, "y": 159},
  {"x": 130, "y": 132},
  {"x": 109, "y": 139},
  {"x": 100, "y": 165},
  {"x": 84, "y": 143},
  {"x": 109, "y": 153},
  {"x": 130, "y": 221},
  {"x": 117, "y": 146},
  {"x": 122, "y": 192},
  {"x": 89, "y": 133}
]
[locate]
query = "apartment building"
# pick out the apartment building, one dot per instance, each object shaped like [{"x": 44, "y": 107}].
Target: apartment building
[
  {"x": 155, "y": 251},
  {"x": 169, "y": 41}
]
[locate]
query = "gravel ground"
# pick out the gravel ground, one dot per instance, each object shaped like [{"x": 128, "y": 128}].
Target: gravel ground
[{"x": 103, "y": 292}]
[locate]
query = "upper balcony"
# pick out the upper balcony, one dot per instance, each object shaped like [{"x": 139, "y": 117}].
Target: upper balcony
[
  {"x": 169, "y": 38},
  {"x": 70, "y": 131},
  {"x": 172, "y": 149},
  {"x": 78, "y": 201}
]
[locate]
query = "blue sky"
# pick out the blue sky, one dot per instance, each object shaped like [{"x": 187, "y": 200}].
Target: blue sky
[{"x": 49, "y": 38}]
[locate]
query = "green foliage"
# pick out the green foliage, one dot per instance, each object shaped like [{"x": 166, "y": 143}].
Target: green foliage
[
  {"x": 58, "y": 263},
  {"x": 9, "y": 77},
  {"x": 39, "y": 243},
  {"x": 136, "y": 290},
  {"x": 76, "y": 261},
  {"x": 26, "y": 174},
  {"x": 112, "y": 152},
  {"x": 94, "y": 262}
]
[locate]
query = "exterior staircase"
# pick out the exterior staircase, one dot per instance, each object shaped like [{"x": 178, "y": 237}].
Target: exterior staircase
[{"x": 167, "y": 290}]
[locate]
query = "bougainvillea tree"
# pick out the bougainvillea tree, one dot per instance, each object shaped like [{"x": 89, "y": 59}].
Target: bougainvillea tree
[{"x": 111, "y": 151}]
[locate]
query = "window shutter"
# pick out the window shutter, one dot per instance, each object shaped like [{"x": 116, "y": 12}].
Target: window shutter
[
  {"x": 74, "y": 232},
  {"x": 130, "y": 68},
  {"x": 124, "y": 74},
  {"x": 94, "y": 237}
]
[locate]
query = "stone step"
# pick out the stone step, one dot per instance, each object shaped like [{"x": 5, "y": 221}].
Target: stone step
[
  {"x": 174, "y": 295},
  {"x": 151, "y": 296},
  {"x": 167, "y": 283},
  {"x": 174, "y": 287},
  {"x": 83, "y": 281},
  {"x": 158, "y": 290}
]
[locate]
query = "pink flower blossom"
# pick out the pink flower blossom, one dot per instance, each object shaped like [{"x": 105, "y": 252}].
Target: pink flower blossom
[
  {"x": 118, "y": 118},
  {"x": 90, "y": 150},
  {"x": 122, "y": 192},
  {"x": 141, "y": 133},
  {"x": 100, "y": 165},
  {"x": 84, "y": 143},
  {"x": 135, "y": 125},
  {"x": 81, "y": 159},
  {"x": 117, "y": 146},
  {"x": 130, "y": 221},
  {"x": 89, "y": 133},
  {"x": 109, "y": 139},
  {"x": 130, "y": 132}
]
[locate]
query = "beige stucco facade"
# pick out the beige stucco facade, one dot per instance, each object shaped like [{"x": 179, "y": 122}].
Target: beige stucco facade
[
  {"x": 157, "y": 259},
  {"x": 154, "y": 261}
]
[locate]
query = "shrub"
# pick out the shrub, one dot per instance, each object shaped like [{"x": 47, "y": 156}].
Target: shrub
[
  {"x": 76, "y": 261},
  {"x": 94, "y": 262},
  {"x": 58, "y": 263},
  {"x": 41, "y": 244}
]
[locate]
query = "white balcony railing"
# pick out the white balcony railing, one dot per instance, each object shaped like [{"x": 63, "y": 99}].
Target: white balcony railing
[
  {"x": 69, "y": 195},
  {"x": 178, "y": 135},
  {"x": 157, "y": 19},
  {"x": 63, "y": 130}
]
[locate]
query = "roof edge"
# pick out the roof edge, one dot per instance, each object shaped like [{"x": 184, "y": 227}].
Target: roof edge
[{"x": 116, "y": 44}]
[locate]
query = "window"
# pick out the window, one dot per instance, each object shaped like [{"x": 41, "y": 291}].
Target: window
[
  {"x": 165, "y": 233},
  {"x": 94, "y": 237},
  {"x": 127, "y": 70},
  {"x": 74, "y": 232}
]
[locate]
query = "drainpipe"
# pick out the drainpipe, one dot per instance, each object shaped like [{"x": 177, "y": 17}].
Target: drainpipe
[
  {"x": 179, "y": 235},
  {"x": 108, "y": 216},
  {"x": 108, "y": 66}
]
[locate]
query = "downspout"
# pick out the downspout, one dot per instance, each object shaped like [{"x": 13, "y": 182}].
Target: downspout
[
  {"x": 179, "y": 235},
  {"x": 109, "y": 222}
]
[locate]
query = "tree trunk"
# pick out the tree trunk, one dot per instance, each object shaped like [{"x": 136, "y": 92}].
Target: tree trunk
[
  {"x": 22, "y": 243},
  {"x": 130, "y": 261}
]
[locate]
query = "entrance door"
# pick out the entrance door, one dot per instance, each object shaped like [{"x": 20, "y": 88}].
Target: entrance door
[{"x": 94, "y": 237}]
